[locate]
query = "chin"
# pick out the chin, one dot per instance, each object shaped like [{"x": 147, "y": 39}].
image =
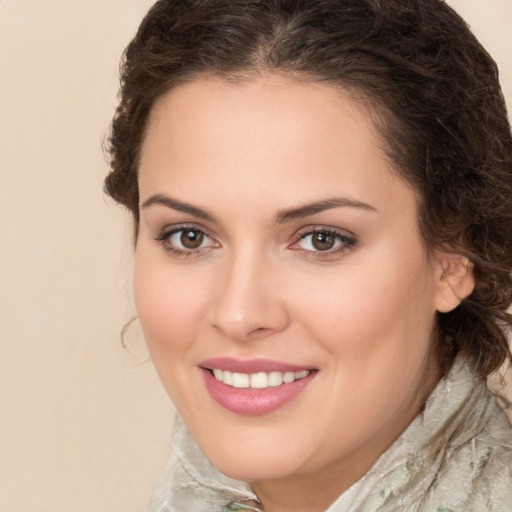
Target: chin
[
  {"x": 249, "y": 464},
  {"x": 248, "y": 471}
]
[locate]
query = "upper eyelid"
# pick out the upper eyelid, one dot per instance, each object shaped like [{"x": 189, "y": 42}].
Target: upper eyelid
[
  {"x": 174, "y": 228},
  {"x": 308, "y": 230}
]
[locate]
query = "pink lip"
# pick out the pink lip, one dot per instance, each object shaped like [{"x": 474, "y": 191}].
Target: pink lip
[
  {"x": 250, "y": 366},
  {"x": 248, "y": 401}
]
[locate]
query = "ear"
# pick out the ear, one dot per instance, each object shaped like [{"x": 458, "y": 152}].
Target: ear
[{"x": 455, "y": 281}]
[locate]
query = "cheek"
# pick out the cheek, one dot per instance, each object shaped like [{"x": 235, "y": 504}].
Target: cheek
[
  {"x": 170, "y": 314},
  {"x": 167, "y": 303},
  {"x": 367, "y": 309}
]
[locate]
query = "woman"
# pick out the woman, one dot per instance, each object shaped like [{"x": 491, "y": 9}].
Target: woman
[{"x": 322, "y": 197}]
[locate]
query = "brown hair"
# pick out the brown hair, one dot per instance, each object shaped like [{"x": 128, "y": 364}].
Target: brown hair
[{"x": 443, "y": 117}]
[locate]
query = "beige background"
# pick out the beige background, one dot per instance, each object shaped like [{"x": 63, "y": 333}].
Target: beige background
[{"x": 84, "y": 425}]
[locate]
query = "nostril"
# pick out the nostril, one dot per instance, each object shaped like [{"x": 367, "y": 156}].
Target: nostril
[{"x": 259, "y": 330}]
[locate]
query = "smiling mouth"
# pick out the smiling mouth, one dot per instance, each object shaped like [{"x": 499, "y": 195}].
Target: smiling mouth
[
  {"x": 257, "y": 386},
  {"x": 259, "y": 380}
]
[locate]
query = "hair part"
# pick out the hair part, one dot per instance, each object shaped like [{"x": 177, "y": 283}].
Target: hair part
[{"x": 438, "y": 105}]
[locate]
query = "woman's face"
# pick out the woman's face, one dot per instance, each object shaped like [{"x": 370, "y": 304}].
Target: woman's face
[{"x": 277, "y": 249}]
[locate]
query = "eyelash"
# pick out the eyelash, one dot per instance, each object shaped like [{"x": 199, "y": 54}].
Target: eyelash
[
  {"x": 346, "y": 242},
  {"x": 165, "y": 236}
]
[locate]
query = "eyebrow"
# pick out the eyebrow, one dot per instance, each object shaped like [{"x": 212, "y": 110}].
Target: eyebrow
[
  {"x": 282, "y": 216},
  {"x": 179, "y": 206},
  {"x": 319, "y": 206}
]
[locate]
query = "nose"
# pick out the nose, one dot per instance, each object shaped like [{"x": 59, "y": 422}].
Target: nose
[{"x": 249, "y": 303}]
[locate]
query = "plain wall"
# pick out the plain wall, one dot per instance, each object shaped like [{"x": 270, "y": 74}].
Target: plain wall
[{"x": 84, "y": 424}]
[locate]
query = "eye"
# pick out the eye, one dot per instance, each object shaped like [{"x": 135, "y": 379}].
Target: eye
[
  {"x": 185, "y": 240},
  {"x": 323, "y": 240},
  {"x": 188, "y": 238},
  {"x": 319, "y": 241}
]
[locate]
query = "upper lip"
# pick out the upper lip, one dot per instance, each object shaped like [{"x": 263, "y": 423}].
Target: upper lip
[{"x": 251, "y": 366}]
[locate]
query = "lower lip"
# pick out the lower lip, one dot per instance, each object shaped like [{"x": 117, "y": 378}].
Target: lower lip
[{"x": 253, "y": 402}]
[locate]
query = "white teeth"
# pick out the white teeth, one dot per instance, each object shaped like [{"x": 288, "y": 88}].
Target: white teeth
[
  {"x": 227, "y": 378},
  {"x": 260, "y": 380},
  {"x": 275, "y": 379},
  {"x": 288, "y": 377},
  {"x": 240, "y": 380}
]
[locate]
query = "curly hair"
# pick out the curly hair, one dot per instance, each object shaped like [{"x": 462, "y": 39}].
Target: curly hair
[{"x": 440, "y": 111}]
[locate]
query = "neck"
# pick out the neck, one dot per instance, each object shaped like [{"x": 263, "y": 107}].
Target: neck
[{"x": 307, "y": 493}]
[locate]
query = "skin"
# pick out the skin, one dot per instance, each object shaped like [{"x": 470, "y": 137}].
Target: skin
[{"x": 361, "y": 313}]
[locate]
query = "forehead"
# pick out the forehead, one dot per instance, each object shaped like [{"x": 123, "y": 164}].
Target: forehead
[{"x": 274, "y": 136}]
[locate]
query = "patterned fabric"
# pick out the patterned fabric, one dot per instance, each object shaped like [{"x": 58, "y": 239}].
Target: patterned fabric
[
  {"x": 456, "y": 456},
  {"x": 237, "y": 507},
  {"x": 500, "y": 384}
]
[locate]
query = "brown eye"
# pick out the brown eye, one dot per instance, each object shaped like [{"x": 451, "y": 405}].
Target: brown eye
[
  {"x": 323, "y": 241},
  {"x": 186, "y": 242},
  {"x": 191, "y": 238}
]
